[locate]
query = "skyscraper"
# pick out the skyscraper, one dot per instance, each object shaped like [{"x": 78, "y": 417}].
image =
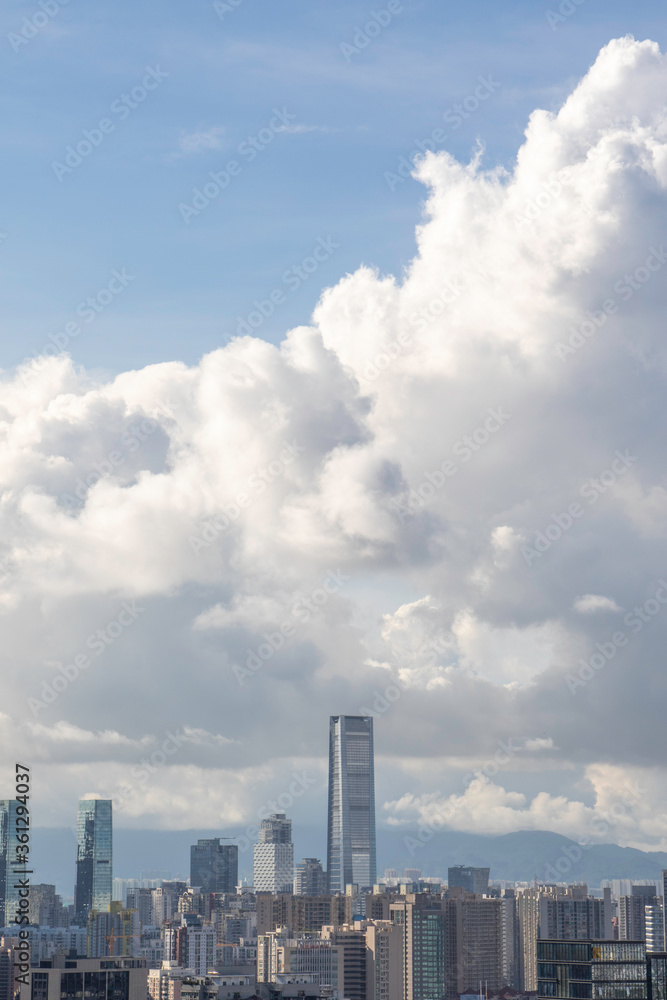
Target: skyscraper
[
  {"x": 9, "y": 897},
  {"x": 94, "y": 859},
  {"x": 274, "y": 855},
  {"x": 351, "y": 827},
  {"x": 214, "y": 867}
]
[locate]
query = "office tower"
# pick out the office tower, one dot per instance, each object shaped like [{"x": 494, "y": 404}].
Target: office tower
[
  {"x": 414, "y": 874},
  {"x": 351, "y": 825},
  {"x": 9, "y": 898},
  {"x": 425, "y": 961},
  {"x": 94, "y": 859},
  {"x": 571, "y": 970},
  {"x": 214, "y": 867},
  {"x": 470, "y": 879},
  {"x": 309, "y": 878},
  {"x": 104, "y": 978},
  {"x": 273, "y": 869},
  {"x": 6, "y": 974},
  {"x": 657, "y": 975}
]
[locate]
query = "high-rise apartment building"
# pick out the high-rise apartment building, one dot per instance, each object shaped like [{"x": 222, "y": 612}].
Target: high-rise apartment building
[
  {"x": 470, "y": 879},
  {"x": 94, "y": 857},
  {"x": 214, "y": 867},
  {"x": 9, "y": 897},
  {"x": 309, "y": 878},
  {"x": 631, "y": 912},
  {"x": 273, "y": 869},
  {"x": 654, "y": 921},
  {"x": 351, "y": 824}
]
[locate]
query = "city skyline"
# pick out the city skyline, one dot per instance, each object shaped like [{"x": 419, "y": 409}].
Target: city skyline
[{"x": 426, "y": 485}]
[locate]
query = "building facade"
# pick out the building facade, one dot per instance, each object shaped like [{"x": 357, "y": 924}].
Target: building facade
[
  {"x": 309, "y": 878},
  {"x": 351, "y": 852},
  {"x": 9, "y": 898},
  {"x": 94, "y": 857},
  {"x": 273, "y": 868},
  {"x": 214, "y": 867},
  {"x": 470, "y": 879}
]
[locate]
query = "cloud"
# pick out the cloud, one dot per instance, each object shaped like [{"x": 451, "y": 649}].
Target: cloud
[
  {"x": 589, "y": 604},
  {"x": 202, "y": 139},
  {"x": 445, "y": 444}
]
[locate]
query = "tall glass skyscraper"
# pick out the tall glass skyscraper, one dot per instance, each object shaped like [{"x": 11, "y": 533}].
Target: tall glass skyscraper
[
  {"x": 9, "y": 897},
  {"x": 351, "y": 828},
  {"x": 94, "y": 858}
]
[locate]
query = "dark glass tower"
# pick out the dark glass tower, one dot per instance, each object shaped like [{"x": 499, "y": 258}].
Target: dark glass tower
[
  {"x": 9, "y": 897},
  {"x": 214, "y": 866},
  {"x": 351, "y": 828},
  {"x": 94, "y": 859}
]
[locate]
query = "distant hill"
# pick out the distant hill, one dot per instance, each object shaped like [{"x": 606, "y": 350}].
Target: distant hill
[{"x": 512, "y": 857}]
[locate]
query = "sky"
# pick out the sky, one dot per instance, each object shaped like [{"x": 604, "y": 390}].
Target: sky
[{"x": 295, "y": 424}]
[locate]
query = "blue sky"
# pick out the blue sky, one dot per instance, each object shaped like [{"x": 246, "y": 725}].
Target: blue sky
[{"x": 357, "y": 117}]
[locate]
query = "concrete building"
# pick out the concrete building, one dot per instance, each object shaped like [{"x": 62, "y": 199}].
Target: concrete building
[
  {"x": 273, "y": 869},
  {"x": 92, "y": 978},
  {"x": 631, "y": 912},
  {"x": 302, "y": 913},
  {"x": 385, "y": 973},
  {"x": 10, "y": 850},
  {"x": 655, "y": 926},
  {"x": 350, "y": 940},
  {"x": 282, "y": 953}
]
